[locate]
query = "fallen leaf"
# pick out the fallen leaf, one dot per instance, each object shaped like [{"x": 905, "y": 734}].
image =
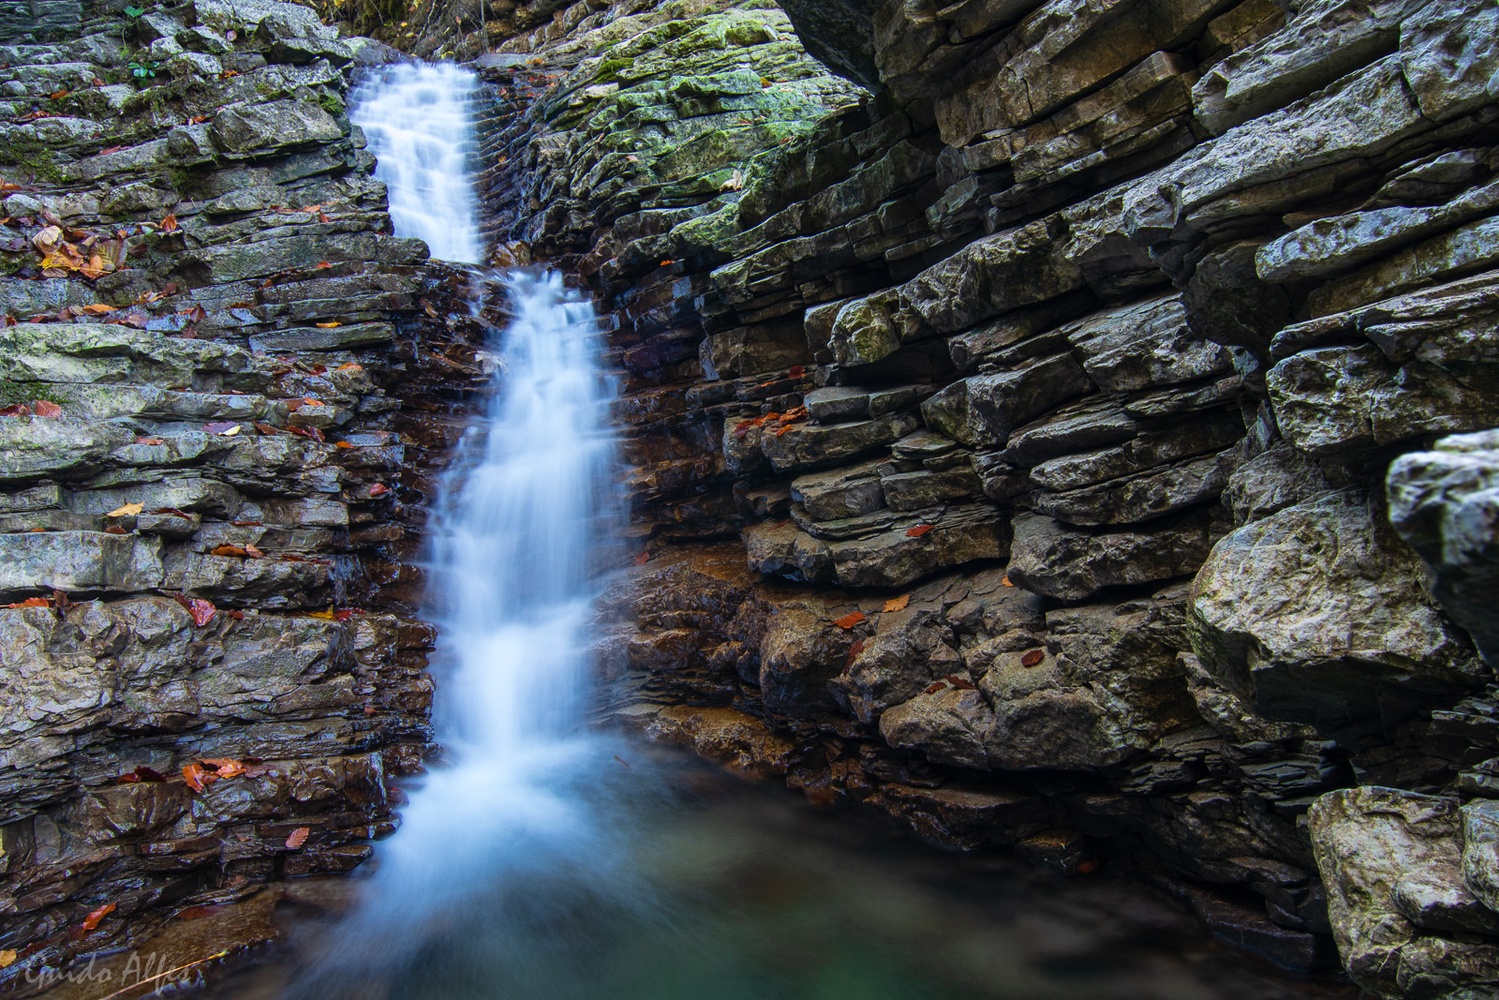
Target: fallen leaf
[
  {"x": 224, "y": 767},
  {"x": 251, "y": 552},
  {"x": 202, "y": 611},
  {"x": 43, "y": 408},
  {"x": 174, "y": 512},
  {"x": 141, "y": 774},
  {"x": 853, "y": 653},
  {"x": 919, "y": 530},
  {"x": 115, "y": 529},
  {"x": 15, "y": 410},
  {"x": 228, "y": 550},
  {"x": 641, "y": 558},
  {"x": 960, "y": 683},
  {"x": 344, "y": 614},
  {"x": 128, "y": 510},
  {"x": 328, "y": 326},
  {"x": 934, "y": 687},
  {"x": 898, "y": 603},
  {"x": 150, "y": 440},
  {"x": 223, "y": 428},
  {"x": 97, "y": 309},
  {"x": 7, "y": 958},
  {"x": 267, "y": 429},
  {"x": 197, "y": 912},
  {"x": 168, "y": 224},
  {"x": 95, "y": 916},
  {"x": 796, "y": 371},
  {"x": 1005, "y": 581},
  {"x": 379, "y": 490},
  {"x": 667, "y": 263},
  {"x": 321, "y": 265},
  {"x": 297, "y": 837},
  {"x": 1032, "y": 657},
  {"x": 850, "y": 620},
  {"x": 197, "y": 778},
  {"x": 32, "y": 602}
]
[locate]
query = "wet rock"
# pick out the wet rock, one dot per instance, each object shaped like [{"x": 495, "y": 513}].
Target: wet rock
[
  {"x": 1071, "y": 564},
  {"x": 1445, "y": 505},
  {"x": 1272, "y": 591},
  {"x": 1366, "y": 841}
]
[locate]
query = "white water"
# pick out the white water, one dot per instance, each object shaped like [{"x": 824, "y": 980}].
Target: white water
[
  {"x": 512, "y": 537},
  {"x": 419, "y": 122}
]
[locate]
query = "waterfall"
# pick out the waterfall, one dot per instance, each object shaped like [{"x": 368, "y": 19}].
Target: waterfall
[
  {"x": 418, "y": 120},
  {"x": 514, "y": 539}
]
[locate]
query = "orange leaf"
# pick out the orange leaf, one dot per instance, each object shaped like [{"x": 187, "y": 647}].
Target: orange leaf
[
  {"x": 320, "y": 265},
  {"x": 1005, "y": 581},
  {"x": 297, "y": 837},
  {"x": 898, "y": 603},
  {"x": 149, "y": 440},
  {"x": 42, "y": 408},
  {"x": 327, "y": 326},
  {"x": 642, "y": 558},
  {"x": 97, "y": 309},
  {"x": 92, "y": 920},
  {"x": 919, "y": 530},
  {"x": 850, "y": 620},
  {"x": 32, "y": 602},
  {"x": 1032, "y": 657},
  {"x": 251, "y": 552},
  {"x": 197, "y": 778},
  {"x": 169, "y": 224},
  {"x": 228, "y": 550},
  {"x": 224, "y": 767}
]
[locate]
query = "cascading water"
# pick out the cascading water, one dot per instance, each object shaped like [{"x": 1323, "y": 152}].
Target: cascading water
[
  {"x": 419, "y": 122},
  {"x": 514, "y": 538}
]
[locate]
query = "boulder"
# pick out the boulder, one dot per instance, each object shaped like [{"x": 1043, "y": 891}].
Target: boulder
[
  {"x": 1445, "y": 504},
  {"x": 1318, "y": 614}
]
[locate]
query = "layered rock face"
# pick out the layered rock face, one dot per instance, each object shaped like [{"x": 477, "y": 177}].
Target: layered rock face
[
  {"x": 1012, "y": 447},
  {"x": 200, "y": 490}
]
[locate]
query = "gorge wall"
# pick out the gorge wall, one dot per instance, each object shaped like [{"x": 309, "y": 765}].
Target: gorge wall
[
  {"x": 1064, "y": 431},
  {"x": 1046, "y": 447}
]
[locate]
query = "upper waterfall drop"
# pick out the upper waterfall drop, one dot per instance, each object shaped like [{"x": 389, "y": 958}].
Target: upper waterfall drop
[{"x": 419, "y": 121}]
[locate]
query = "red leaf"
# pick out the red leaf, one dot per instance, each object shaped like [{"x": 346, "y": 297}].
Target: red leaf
[
  {"x": 1032, "y": 657},
  {"x": 16, "y": 410},
  {"x": 850, "y": 620},
  {"x": 379, "y": 490},
  {"x": 934, "y": 687},
  {"x": 797, "y": 371},
  {"x": 42, "y": 408},
  {"x": 919, "y": 530},
  {"x": 142, "y": 773},
  {"x": 297, "y": 837},
  {"x": 853, "y": 653},
  {"x": 641, "y": 558},
  {"x": 92, "y": 920},
  {"x": 115, "y": 529},
  {"x": 202, "y": 611}
]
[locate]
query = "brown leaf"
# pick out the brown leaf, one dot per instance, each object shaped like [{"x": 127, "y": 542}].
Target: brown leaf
[
  {"x": 379, "y": 490},
  {"x": 168, "y": 224},
  {"x": 1005, "y": 581},
  {"x": 97, "y": 309},
  {"x": 141, "y": 773},
  {"x": 95, "y": 916},
  {"x": 960, "y": 683},
  {"x": 297, "y": 837},
  {"x": 898, "y": 603},
  {"x": 1032, "y": 657},
  {"x": 269, "y": 430},
  {"x": 853, "y": 653},
  {"x": 934, "y": 687},
  {"x": 850, "y": 620},
  {"x": 115, "y": 529},
  {"x": 228, "y": 550},
  {"x": 251, "y": 552},
  {"x": 43, "y": 408},
  {"x": 919, "y": 530}
]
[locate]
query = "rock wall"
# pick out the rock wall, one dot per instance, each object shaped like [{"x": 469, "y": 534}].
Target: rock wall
[
  {"x": 207, "y": 471},
  {"x": 1011, "y": 447}
]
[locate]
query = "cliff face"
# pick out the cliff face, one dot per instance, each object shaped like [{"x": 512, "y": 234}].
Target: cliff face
[
  {"x": 1012, "y": 447},
  {"x": 202, "y": 512}
]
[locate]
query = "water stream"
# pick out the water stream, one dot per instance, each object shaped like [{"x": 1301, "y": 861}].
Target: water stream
[{"x": 545, "y": 861}]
